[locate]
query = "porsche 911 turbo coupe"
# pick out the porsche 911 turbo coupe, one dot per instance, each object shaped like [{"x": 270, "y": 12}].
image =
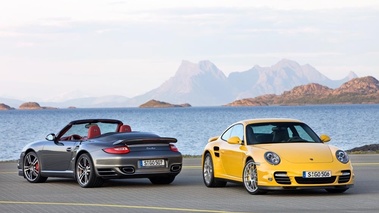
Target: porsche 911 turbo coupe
[
  {"x": 94, "y": 150},
  {"x": 274, "y": 154}
]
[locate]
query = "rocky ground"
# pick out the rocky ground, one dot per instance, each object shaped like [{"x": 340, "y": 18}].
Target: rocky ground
[{"x": 371, "y": 148}]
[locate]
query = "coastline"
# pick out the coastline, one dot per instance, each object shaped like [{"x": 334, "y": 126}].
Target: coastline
[{"x": 365, "y": 149}]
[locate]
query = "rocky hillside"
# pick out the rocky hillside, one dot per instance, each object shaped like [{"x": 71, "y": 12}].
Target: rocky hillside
[
  {"x": 356, "y": 91},
  {"x": 371, "y": 148},
  {"x": 161, "y": 104},
  {"x": 5, "y": 107},
  {"x": 33, "y": 106},
  {"x": 30, "y": 105},
  {"x": 204, "y": 84}
]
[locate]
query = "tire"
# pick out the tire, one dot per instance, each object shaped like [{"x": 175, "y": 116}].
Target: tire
[
  {"x": 31, "y": 168},
  {"x": 85, "y": 172},
  {"x": 162, "y": 179},
  {"x": 250, "y": 178},
  {"x": 208, "y": 173},
  {"x": 337, "y": 190}
]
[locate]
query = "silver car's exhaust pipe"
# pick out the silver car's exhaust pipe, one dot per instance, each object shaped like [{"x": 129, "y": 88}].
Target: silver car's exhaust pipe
[
  {"x": 175, "y": 168},
  {"x": 128, "y": 169}
]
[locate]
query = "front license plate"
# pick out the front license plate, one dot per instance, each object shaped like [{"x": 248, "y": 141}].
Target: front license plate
[
  {"x": 155, "y": 162},
  {"x": 317, "y": 174}
]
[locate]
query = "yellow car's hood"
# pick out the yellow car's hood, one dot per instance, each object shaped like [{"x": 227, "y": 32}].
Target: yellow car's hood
[{"x": 301, "y": 152}]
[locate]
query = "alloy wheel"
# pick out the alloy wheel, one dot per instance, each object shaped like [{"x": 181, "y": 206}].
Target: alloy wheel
[
  {"x": 208, "y": 170},
  {"x": 32, "y": 168},
  {"x": 250, "y": 179},
  {"x": 83, "y": 170}
]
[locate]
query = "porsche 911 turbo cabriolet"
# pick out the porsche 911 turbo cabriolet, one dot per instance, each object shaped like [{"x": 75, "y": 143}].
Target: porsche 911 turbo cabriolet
[
  {"x": 93, "y": 150},
  {"x": 274, "y": 154}
]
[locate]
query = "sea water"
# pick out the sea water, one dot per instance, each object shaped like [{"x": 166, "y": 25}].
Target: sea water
[{"x": 349, "y": 126}]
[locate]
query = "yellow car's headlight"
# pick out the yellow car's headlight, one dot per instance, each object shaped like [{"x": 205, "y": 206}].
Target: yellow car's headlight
[
  {"x": 342, "y": 156},
  {"x": 272, "y": 158}
]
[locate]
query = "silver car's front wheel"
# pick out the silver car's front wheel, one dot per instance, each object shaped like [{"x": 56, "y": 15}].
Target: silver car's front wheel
[
  {"x": 250, "y": 178},
  {"x": 85, "y": 172},
  {"x": 32, "y": 168}
]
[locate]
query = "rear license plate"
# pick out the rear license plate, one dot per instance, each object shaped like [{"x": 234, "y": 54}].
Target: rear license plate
[
  {"x": 317, "y": 174},
  {"x": 155, "y": 162}
]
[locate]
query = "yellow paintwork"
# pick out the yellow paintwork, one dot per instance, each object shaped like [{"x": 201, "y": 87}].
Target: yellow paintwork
[
  {"x": 234, "y": 140},
  {"x": 324, "y": 138},
  {"x": 230, "y": 158}
]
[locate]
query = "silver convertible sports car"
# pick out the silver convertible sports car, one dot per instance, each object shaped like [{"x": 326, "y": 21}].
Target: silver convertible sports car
[{"x": 94, "y": 150}]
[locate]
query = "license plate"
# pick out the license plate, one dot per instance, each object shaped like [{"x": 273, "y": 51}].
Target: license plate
[
  {"x": 155, "y": 162},
  {"x": 317, "y": 174}
]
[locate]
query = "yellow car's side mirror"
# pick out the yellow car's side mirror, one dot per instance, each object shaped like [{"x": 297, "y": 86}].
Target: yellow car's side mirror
[
  {"x": 324, "y": 138},
  {"x": 234, "y": 140},
  {"x": 212, "y": 139}
]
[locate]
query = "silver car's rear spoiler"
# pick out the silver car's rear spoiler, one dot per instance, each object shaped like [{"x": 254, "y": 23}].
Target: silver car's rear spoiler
[{"x": 161, "y": 140}]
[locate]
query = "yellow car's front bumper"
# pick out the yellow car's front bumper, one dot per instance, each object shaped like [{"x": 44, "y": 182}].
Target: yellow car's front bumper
[{"x": 291, "y": 175}]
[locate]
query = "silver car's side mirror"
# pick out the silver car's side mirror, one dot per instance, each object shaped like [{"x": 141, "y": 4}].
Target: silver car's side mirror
[{"x": 50, "y": 137}]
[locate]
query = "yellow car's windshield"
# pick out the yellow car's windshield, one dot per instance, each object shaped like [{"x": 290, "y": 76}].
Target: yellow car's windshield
[{"x": 277, "y": 132}]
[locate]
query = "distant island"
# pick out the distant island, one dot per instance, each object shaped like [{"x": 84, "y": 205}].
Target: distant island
[
  {"x": 160, "y": 104},
  {"x": 363, "y": 90},
  {"x": 5, "y": 107},
  {"x": 366, "y": 149},
  {"x": 33, "y": 106}
]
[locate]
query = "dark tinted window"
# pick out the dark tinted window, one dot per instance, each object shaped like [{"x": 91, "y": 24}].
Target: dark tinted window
[{"x": 280, "y": 132}]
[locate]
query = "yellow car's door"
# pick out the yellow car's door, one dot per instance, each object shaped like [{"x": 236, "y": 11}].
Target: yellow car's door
[{"x": 232, "y": 156}]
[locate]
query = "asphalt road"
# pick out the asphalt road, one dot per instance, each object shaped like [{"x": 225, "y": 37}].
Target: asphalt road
[{"x": 186, "y": 194}]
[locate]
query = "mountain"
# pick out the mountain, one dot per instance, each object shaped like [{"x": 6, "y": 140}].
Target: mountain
[
  {"x": 204, "y": 84},
  {"x": 280, "y": 77},
  {"x": 356, "y": 91},
  {"x": 92, "y": 102},
  {"x": 199, "y": 84},
  {"x": 69, "y": 95}
]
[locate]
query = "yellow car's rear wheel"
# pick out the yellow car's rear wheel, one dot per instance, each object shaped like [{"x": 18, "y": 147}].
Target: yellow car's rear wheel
[
  {"x": 250, "y": 178},
  {"x": 208, "y": 173}
]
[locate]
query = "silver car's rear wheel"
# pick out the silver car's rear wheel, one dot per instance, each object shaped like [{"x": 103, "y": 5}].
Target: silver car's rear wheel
[
  {"x": 250, "y": 178},
  {"x": 32, "y": 167},
  {"x": 208, "y": 173},
  {"x": 85, "y": 172}
]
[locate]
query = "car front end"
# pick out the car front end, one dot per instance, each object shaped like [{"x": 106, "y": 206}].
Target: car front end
[{"x": 323, "y": 167}]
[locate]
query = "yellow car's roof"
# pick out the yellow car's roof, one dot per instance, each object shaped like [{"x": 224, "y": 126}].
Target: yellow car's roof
[{"x": 268, "y": 120}]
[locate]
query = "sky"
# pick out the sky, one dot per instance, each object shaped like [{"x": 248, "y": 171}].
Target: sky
[{"x": 54, "y": 50}]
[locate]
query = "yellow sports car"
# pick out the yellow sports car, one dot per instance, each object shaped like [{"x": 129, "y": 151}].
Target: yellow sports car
[{"x": 272, "y": 154}]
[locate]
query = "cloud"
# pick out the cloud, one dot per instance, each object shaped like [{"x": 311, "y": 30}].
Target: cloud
[{"x": 150, "y": 38}]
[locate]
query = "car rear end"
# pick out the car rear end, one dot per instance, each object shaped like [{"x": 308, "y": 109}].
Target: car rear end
[{"x": 137, "y": 158}]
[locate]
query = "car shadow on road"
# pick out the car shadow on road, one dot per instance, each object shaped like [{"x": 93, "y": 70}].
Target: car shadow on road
[
  {"x": 236, "y": 187},
  {"x": 132, "y": 182}
]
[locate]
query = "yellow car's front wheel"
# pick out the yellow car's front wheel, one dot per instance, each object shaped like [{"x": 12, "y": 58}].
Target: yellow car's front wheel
[{"x": 250, "y": 178}]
